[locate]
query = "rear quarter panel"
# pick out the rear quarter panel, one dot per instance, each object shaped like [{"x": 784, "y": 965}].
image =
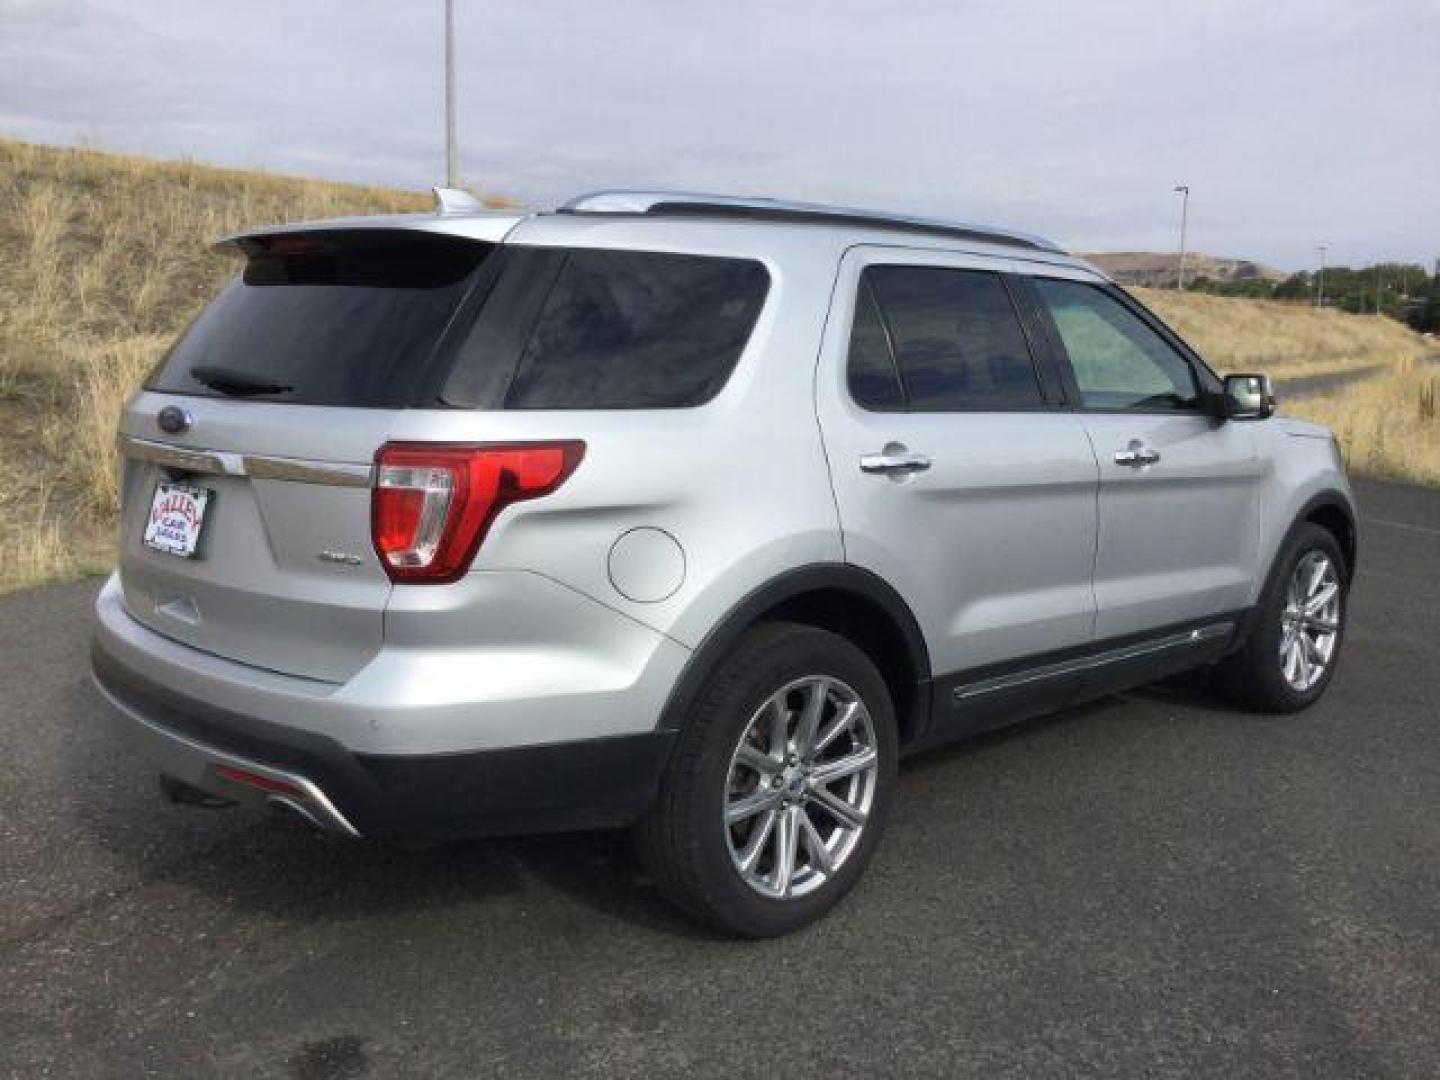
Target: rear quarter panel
[{"x": 740, "y": 484}]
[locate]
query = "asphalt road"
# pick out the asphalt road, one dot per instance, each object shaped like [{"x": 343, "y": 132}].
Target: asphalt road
[
  {"x": 1152, "y": 885},
  {"x": 1308, "y": 385}
]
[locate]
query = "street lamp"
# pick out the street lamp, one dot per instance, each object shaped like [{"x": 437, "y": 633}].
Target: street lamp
[
  {"x": 1320, "y": 280},
  {"x": 1183, "y": 190},
  {"x": 452, "y": 164}
]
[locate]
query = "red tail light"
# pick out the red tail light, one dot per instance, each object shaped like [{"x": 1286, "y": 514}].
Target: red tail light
[
  {"x": 433, "y": 503},
  {"x": 256, "y": 780}
]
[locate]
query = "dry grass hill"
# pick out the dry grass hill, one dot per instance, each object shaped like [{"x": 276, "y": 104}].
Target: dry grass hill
[
  {"x": 104, "y": 258},
  {"x": 1156, "y": 270}
]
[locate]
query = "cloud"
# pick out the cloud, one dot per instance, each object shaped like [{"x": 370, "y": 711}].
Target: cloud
[{"x": 1292, "y": 121}]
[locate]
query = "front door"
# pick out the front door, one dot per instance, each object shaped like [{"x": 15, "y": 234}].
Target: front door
[
  {"x": 1179, "y": 520},
  {"x": 960, "y": 478}
]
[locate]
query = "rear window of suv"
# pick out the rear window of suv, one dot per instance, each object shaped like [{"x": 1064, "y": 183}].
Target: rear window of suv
[
  {"x": 327, "y": 318},
  {"x": 395, "y": 319}
]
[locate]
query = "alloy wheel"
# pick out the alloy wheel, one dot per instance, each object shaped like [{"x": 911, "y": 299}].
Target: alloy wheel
[
  {"x": 1310, "y": 623},
  {"x": 800, "y": 787}
]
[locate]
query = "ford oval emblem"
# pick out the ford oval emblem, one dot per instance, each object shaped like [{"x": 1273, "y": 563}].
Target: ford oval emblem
[{"x": 173, "y": 420}]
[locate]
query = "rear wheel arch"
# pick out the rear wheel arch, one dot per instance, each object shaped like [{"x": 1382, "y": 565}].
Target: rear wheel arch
[{"x": 841, "y": 598}]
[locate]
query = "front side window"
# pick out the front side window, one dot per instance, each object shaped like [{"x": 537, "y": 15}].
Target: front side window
[
  {"x": 955, "y": 338},
  {"x": 1119, "y": 362}
]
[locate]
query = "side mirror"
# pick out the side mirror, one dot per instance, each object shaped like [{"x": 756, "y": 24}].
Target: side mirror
[{"x": 1247, "y": 397}]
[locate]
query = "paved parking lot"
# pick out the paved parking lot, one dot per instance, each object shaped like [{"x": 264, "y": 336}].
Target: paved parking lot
[{"x": 1152, "y": 885}]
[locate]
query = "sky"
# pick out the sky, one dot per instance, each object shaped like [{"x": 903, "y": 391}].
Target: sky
[{"x": 1294, "y": 122}]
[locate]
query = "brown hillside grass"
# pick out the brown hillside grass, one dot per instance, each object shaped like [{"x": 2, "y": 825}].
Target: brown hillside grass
[
  {"x": 1281, "y": 339},
  {"x": 1388, "y": 425},
  {"x": 104, "y": 258}
]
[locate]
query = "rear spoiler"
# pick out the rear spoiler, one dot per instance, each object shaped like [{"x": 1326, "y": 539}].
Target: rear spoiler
[{"x": 491, "y": 226}]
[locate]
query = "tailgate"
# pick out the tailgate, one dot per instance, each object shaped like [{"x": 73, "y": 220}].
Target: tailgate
[{"x": 283, "y": 575}]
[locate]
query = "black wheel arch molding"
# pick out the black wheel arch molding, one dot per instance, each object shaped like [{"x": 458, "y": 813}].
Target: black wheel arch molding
[
  {"x": 806, "y": 594},
  {"x": 1327, "y": 509},
  {"x": 1332, "y": 510}
]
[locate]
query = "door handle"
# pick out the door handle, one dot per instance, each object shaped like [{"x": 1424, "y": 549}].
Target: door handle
[
  {"x": 1137, "y": 455},
  {"x": 894, "y": 460}
]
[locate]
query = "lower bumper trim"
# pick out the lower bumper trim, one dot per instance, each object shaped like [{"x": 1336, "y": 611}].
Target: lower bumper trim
[{"x": 591, "y": 783}]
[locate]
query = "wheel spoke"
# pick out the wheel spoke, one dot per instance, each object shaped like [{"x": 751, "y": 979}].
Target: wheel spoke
[
  {"x": 1313, "y": 655},
  {"x": 809, "y": 725},
  {"x": 1320, "y": 600},
  {"x": 815, "y": 844},
  {"x": 833, "y": 730},
  {"x": 1302, "y": 663},
  {"x": 849, "y": 816},
  {"x": 753, "y": 757},
  {"x": 1318, "y": 568},
  {"x": 750, "y": 805},
  {"x": 1325, "y": 626},
  {"x": 779, "y": 728},
  {"x": 759, "y": 837},
  {"x": 787, "y": 838},
  {"x": 1292, "y": 662},
  {"x": 827, "y": 772}
]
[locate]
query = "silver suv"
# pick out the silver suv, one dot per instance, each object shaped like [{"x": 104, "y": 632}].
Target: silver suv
[{"x": 687, "y": 513}]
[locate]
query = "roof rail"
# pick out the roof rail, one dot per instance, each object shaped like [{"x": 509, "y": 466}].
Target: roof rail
[{"x": 681, "y": 204}]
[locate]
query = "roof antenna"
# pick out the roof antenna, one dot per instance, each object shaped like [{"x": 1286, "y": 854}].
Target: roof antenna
[{"x": 450, "y": 200}]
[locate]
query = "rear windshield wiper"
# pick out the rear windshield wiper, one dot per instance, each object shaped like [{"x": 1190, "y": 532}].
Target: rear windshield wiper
[{"x": 236, "y": 383}]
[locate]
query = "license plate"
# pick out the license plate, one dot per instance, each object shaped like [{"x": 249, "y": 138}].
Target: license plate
[{"x": 177, "y": 513}]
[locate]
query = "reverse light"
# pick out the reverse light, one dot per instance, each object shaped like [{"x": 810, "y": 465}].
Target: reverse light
[{"x": 433, "y": 502}]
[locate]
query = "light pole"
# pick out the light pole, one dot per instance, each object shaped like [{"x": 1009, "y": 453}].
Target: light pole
[
  {"x": 452, "y": 164},
  {"x": 1183, "y": 190},
  {"x": 1320, "y": 280}
]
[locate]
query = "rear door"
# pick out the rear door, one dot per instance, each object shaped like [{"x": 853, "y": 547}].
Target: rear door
[
  {"x": 1179, "y": 487},
  {"x": 245, "y": 527},
  {"x": 959, "y": 477}
]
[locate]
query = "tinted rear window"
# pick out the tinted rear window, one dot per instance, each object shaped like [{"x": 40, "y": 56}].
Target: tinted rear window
[
  {"x": 608, "y": 330},
  {"x": 321, "y": 318}
]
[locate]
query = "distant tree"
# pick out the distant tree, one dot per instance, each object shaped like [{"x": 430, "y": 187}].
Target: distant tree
[
  {"x": 1425, "y": 316},
  {"x": 1295, "y": 287}
]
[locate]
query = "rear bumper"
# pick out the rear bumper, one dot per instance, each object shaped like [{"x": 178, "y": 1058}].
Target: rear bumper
[
  {"x": 592, "y": 783},
  {"x": 199, "y": 718}
]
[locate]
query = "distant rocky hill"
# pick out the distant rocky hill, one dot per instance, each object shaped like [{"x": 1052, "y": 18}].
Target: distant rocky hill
[{"x": 1155, "y": 270}]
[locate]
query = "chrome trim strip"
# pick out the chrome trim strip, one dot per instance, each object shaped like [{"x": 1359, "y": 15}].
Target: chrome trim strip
[
  {"x": 258, "y": 466},
  {"x": 317, "y": 804},
  {"x": 262, "y": 467},
  {"x": 180, "y": 457},
  {"x": 1184, "y": 639}
]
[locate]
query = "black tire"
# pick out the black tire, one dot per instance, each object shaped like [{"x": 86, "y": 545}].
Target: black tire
[
  {"x": 683, "y": 841},
  {"x": 1252, "y": 676}
]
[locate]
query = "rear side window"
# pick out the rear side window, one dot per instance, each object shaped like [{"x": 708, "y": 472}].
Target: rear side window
[
  {"x": 1119, "y": 362},
  {"x": 955, "y": 339},
  {"x": 874, "y": 379},
  {"x": 321, "y": 318},
  {"x": 612, "y": 330}
]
